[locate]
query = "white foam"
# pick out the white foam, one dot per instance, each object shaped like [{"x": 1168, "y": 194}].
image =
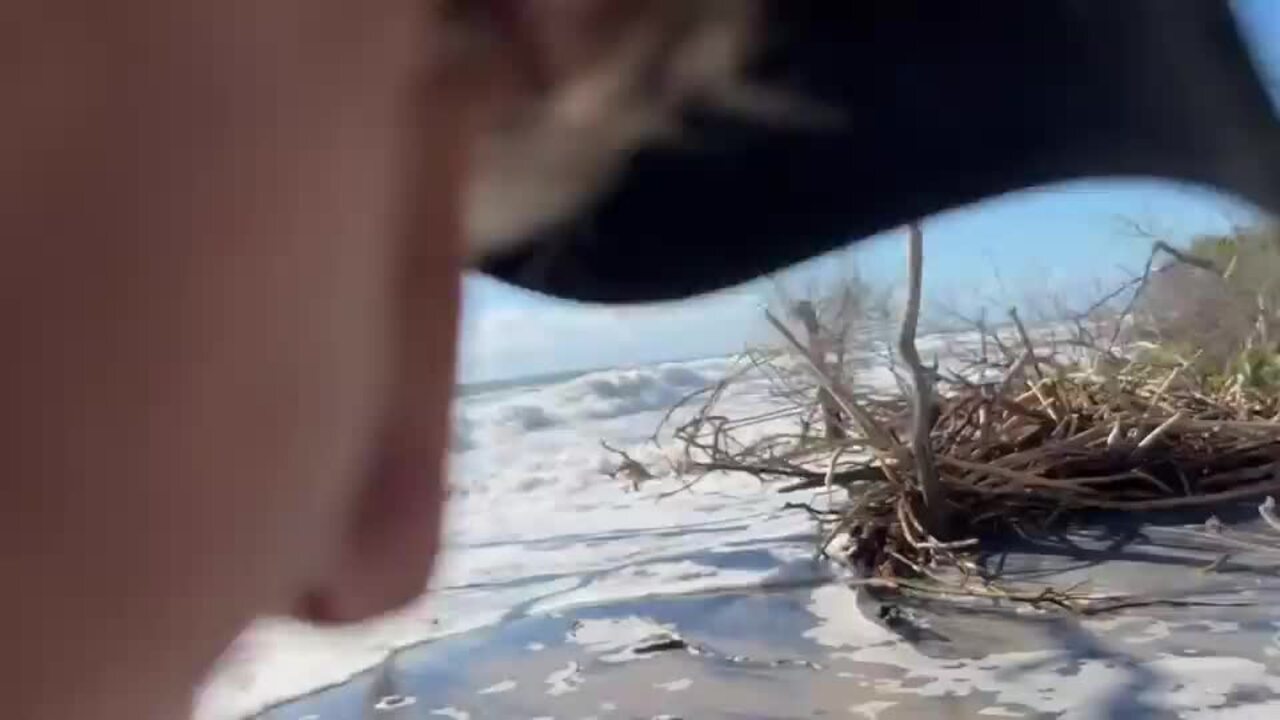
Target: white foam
[
  {"x": 677, "y": 685},
  {"x": 536, "y": 526},
  {"x": 615, "y": 639},
  {"x": 872, "y": 708},
  {"x": 505, "y": 686},
  {"x": 842, "y": 624},
  {"x": 1032, "y": 679},
  {"x": 565, "y": 680},
  {"x": 999, "y": 711}
]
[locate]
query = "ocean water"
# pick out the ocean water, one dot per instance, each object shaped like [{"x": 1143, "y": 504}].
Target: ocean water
[
  {"x": 544, "y": 551},
  {"x": 535, "y": 525}
]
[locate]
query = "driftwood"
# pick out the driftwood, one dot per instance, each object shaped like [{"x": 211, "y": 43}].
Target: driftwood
[
  {"x": 832, "y": 427},
  {"x": 630, "y": 469},
  {"x": 937, "y": 515},
  {"x": 1029, "y": 433}
]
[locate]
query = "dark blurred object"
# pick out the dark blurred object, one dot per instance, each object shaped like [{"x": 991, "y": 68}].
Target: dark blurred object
[{"x": 943, "y": 104}]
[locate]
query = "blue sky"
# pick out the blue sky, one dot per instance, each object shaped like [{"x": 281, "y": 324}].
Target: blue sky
[{"x": 1061, "y": 240}]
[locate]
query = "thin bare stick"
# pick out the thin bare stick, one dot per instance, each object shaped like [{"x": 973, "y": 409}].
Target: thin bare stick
[
  {"x": 1169, "y": 503},
  {"x": 1026, "y": 341},
  {"x": 831, "y": 470},
  {"x": 874, "y": 431},
  {"x": 922, "y": 405},
  {"x": 631, "y": 469},
  {"x": 1268, "y": 512},
  {"x": 1164, "y": 386},
  {"x": 1160, "y": 430},
  {"x": 953, "y": 545},
  {"x": 1113, "y": 439}
]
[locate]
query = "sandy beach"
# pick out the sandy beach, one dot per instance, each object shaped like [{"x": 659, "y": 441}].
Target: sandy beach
[
  {"x": 566, "y": 594},
  {"x": 832, "y": 651}
]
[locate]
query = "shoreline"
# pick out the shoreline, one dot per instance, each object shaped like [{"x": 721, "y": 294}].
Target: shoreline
[{"x": 799, "y": 652}]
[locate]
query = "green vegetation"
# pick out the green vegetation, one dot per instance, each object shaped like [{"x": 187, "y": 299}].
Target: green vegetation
[{"x": 1221, "y": 319}]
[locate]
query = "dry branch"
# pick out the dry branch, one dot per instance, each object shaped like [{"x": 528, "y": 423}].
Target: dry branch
[
  {"x": 922, "y": 415},
  {"x": 1023, "y": 436},
  {"x": 870, "y": 426},
  {"x": 631, "y": 470},
  {"x": 1268, "y": 512}
]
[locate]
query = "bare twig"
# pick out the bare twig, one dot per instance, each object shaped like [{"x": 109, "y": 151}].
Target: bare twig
[
  {"x": 1026, "y": 342},
  {"x": 1160, "y": 431},
  {"x": 922, "y": 415},
  {"x": 631, "y": 469},
  {"x": 1268, "y": 512},
  {"x": 870, "y": 427}
]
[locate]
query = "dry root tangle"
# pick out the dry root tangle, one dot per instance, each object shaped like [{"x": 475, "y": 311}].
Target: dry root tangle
[{"x": 1025, "y": 431}]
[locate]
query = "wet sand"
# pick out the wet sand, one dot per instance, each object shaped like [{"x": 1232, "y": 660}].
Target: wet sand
[{"x": 832, "y": 651}]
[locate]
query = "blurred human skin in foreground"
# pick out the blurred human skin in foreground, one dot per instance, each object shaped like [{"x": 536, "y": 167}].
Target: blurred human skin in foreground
[
  {"x": 232, "y": 238},
  {"x": 230, "y": 269}
]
